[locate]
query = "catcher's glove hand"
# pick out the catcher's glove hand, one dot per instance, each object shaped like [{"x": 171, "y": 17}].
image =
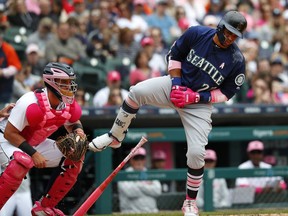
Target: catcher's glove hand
[{"x": 72, "y": 146}]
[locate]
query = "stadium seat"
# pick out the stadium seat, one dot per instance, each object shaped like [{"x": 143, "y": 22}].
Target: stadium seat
[
  {"x": 17, "y": 37},
  {"x": 90, "y": 77}
]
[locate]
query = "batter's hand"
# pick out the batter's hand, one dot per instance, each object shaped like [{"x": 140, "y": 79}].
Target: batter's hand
[{"x": 181, "y": 95}]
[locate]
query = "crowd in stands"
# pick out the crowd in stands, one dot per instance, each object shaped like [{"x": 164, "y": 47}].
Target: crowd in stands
[{"x": 140, "y": 31}]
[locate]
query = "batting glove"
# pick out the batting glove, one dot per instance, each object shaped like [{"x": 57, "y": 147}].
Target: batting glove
[{"x": 181, "y": 95}]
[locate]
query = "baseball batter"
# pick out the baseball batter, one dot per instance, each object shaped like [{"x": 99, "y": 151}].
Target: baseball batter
[
  {"x": 205, "y": 66},
  {"x": 24, "y": 139}
]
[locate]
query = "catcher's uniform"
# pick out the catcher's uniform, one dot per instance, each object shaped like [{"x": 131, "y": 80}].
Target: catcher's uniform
[
  {"x": 36, "y": 120},
  {"x": 18, "y": 118}
]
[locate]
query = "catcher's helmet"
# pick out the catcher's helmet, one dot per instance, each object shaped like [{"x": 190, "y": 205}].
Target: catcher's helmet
[
  {"x": 60, "y": 79},
  {"x": 233, "y": 21}
]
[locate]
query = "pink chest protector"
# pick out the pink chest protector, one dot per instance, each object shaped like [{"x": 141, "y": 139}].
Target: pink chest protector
[{"x": 43, "y": 121}]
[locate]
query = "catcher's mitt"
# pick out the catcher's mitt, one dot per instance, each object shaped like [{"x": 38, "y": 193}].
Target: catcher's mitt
[{"x": 72, "y": 146}]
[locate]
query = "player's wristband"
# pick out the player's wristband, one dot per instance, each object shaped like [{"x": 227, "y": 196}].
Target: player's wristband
[
  {"x": 27, "y": 148},
  {"x": 176, "y": 81},
  {"x": 205, "y": 97},
  {"x": 76, "y": 126}
]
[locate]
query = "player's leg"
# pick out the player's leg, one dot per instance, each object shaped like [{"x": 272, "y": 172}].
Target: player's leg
[
  {"x": 16, "y": 165},
  {"x": 154, "y": 92},
  {"x": 197, "y": 125},
  {"x": 63, "y": 179},
  {"x": 9, "y": 207},
  {"x": 24, "y": 198}
]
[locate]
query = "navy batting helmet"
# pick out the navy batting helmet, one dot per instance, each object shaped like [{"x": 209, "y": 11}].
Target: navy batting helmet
[
  {"x": 234, "y": 22},
  {"x": 60, "y": 79}
]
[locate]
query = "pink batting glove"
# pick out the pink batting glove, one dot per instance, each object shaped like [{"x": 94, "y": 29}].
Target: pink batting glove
[{"x": 181, "y": 95}]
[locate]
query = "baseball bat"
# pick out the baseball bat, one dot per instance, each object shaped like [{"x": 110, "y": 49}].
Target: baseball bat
[{"x": 100, "y": 189}]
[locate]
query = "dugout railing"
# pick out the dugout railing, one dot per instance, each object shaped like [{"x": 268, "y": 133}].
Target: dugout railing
[{"x": 104, "y": 203}]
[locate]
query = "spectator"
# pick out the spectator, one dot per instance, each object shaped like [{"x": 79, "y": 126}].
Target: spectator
[
  {"x": 261, "y": 92},
  {"x": 64, "y": 48},
  {"x": 127, "y": 46},
  {"x": 40, "y": 38},
  {"x": 156, "y": 61},
  {"x": 9, "y": 66},
  {"x": 194, "y": 10},
  {"x": 19, "y": 16},
  {"x": 168, "y": 25},
  {"x": 159, "y": 158},
  {"x": 80, "y": 97},
  {"x": 113, "y": 82},
  {"x": 19, "y": 87},
  {"x": 138, "y": 196},
  {"x": 255, "y": 151},
  {"x": 142, "y": 70},
  {"x": 99, "y": 45},
  {"x": 159, "y": 44},
  {"x": 33, "y": 60},
  {"x": 135, "y": 22},
  {"x": 115, "y": 98},
  {"x": 210, "y": 20},
  {"x": 80, "y": 10},
  {"x": 45, "y": 9},
  {"x": 4, "y": 24},
  {"x": 220, "y": 189}
]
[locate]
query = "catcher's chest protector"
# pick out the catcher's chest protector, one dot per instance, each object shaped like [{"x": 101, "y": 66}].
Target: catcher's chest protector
[
  {"x": 43, "y": 121},
  {"x": 63, "y": 183}
]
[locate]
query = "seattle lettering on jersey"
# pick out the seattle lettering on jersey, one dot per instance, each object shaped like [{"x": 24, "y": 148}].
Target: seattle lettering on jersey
[{"x": 206, "y": 66}]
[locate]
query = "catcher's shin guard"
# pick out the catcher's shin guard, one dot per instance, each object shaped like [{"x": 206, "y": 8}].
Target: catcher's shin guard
[
  {"x": 13, "y": 175},
  {"x": 63, "y": 183}
]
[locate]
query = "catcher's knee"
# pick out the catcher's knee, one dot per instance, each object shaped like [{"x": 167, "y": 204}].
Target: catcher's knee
[{"x": 19, "y": 165}]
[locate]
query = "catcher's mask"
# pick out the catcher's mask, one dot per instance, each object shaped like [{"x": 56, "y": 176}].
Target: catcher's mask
[
  {"x": 234, "y": 22},
  {"x": 60, "y": 79}
]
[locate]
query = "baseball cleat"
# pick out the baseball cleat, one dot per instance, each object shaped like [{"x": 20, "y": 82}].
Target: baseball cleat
[
  {"x": 190, "y": 208},
  {"x": 102, "y": 142},
  {"x": 39, "y": 210}
]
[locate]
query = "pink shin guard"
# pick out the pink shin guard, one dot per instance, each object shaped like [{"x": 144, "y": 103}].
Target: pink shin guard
[
  {"x": 63, "y": 183},
  {"x": 13, "y": 175}
]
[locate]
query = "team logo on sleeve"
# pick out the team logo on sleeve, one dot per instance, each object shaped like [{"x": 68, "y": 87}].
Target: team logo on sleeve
[{"x": 240, "y": 79}]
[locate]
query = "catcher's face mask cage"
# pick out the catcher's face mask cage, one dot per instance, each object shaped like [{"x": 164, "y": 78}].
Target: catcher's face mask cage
[
  {"x": 232, "y": 21},
  {"x": 60, "y": 79}
]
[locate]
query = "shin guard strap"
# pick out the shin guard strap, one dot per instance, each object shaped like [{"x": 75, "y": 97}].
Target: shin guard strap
[{"x": 63, "y": 183}]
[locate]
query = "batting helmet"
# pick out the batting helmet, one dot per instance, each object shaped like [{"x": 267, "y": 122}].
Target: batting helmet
[
  {"x": 60, "y": 79},
  {"x": 233, "y": 21}
]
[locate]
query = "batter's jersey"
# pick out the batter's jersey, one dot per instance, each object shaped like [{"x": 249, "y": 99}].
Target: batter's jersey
[{"x": 206, "y": 66}]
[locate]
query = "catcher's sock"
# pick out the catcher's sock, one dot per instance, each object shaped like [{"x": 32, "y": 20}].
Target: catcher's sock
[
  {"x": 194, "y": 179},
  {"x": 122, "y": 121}
]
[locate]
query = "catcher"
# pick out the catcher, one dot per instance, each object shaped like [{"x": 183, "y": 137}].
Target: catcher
[{"x": 24, "y": 141}]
